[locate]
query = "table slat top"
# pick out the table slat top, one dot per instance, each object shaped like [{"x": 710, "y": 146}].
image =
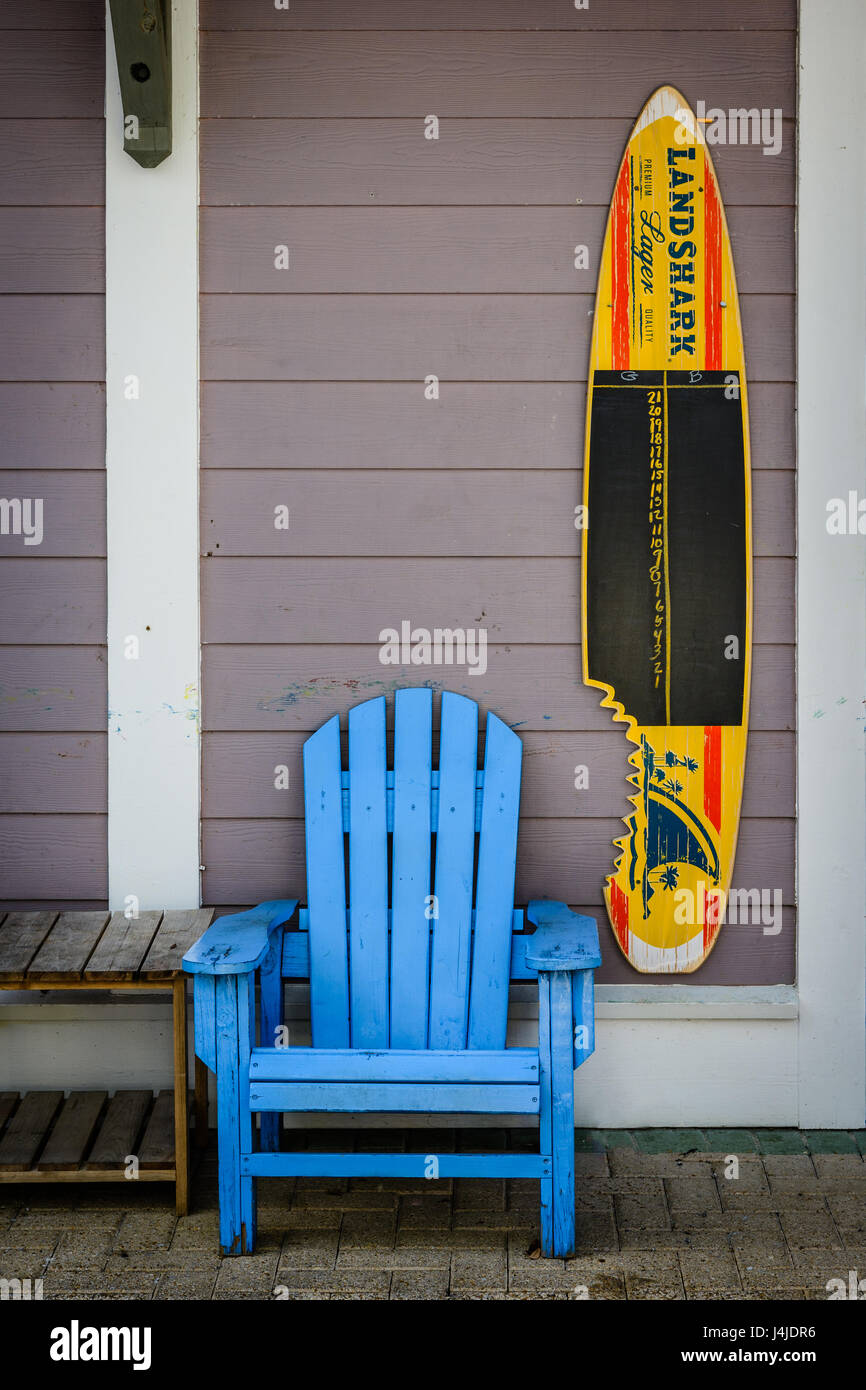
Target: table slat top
[{"x": 45, "y": 948}]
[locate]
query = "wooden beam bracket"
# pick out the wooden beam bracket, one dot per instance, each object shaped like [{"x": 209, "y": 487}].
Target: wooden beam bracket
[{"x": 142, "y": 46}]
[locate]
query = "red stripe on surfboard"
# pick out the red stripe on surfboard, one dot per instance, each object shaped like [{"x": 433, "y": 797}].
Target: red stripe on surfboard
[
  {"x": 710, "y": 916},
  {"x": 713, "y": 774},
  {"x": 712, "y": 273},
  {"x": 619, "y": 915},
  {"x": 620, "y": 237}
]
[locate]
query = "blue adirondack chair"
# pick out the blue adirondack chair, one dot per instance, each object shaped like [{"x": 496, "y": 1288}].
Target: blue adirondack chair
[{"x": 409, "y": 1005}]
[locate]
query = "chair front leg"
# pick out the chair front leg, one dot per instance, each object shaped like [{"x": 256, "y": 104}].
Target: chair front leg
[
  {"x": 235, "y": 1020},
  {"x": 556, "y": 1044}
]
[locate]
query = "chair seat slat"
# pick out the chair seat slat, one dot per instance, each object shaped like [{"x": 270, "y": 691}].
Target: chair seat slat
[
  {"x": 512, "y": 1064},
  {"x": 358, "y": 1097}
]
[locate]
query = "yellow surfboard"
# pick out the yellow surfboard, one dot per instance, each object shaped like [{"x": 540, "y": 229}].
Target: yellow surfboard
[{"x": 666, "y": 567}]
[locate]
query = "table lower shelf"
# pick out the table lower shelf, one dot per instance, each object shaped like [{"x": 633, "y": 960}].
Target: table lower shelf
[{"x": 87, "y": 1137}]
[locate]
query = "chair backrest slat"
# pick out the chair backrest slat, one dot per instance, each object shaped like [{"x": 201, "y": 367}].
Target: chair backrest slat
[
  {"x": 326, "y": 888},
  {"x": 410, "y": 886},
  {"x": 494, "y": 893},
  {"x": 368, "y": 877},
  {"x": 455, "y": 856}
]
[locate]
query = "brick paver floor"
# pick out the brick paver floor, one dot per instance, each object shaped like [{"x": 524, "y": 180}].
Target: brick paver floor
[{"x": 661, "y": 1214}]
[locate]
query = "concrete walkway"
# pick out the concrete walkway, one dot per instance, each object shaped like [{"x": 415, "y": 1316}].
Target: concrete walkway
[{"x": 662, "y": 1214}]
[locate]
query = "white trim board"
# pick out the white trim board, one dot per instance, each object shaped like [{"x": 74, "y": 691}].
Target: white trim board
[
  {"x": 699, "y": 1002},
  {"x": 151, "y": 291},
  {"x": 831, "y": 576}
]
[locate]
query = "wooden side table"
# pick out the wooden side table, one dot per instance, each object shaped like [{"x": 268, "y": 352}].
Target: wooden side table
[{"x": 88, "y": 1137}]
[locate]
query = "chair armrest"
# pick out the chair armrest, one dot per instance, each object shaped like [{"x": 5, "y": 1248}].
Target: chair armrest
[
  {"x": 237, "y": 944},
  {"x": 563, "y": 940}
]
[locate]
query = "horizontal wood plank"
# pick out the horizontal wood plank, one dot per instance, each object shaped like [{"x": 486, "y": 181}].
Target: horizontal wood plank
[
  {"x": 53, "y": 14},
  {"x": 53, "y": 858},
  {"x": 355, "y": 425},
  {"x": 53, "y": 772},
  {"x": 495, "y": 15},
  {"x": 394, "y": 1065},
  {"x": 57, "y": 163},
  {"x": 359, "y": 1097},
  {"x": 468, "y": 513},
  {"x": 52, "y": 250},
  {"x": 391, "y": 1165},
  {"x": 71, "y": 521},
  {"x": 403, "y": 250},
  {"x": 52, "y": 424},
  {"x": 52, "y": 601},
  {"x": 557, "y": 857},
  {"x": 744, "y": 954},
  {"x": 464, "y": 337},
  {"x": 53, "y": 337},
  {"x": 53, "y": 688},
  {"x": 50, "y": 73},
  {"x": 505, "y": 161},
  {"x": 486, "y": 74},
  {"x": 239, "y": 772},
  {"x": 515, "y": 600},
  {"x": 296, "y": 687}
]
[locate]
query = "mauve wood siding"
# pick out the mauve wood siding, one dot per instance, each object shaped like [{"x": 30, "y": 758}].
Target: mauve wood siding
[
  {"x": 53, "y": 846},
  {"x": 455, "y": 257}
]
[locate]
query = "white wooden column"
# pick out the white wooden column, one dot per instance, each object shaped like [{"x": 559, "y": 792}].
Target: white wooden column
[
  {"x": 151, "y": 226},
  {"x": 831, "y": 628}
]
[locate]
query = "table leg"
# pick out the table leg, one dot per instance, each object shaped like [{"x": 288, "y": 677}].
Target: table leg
[{"x": 181, "y": 1122}]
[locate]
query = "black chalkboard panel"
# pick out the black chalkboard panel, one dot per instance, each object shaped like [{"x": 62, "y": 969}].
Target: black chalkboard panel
[{"x": 666, "y": 545}]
